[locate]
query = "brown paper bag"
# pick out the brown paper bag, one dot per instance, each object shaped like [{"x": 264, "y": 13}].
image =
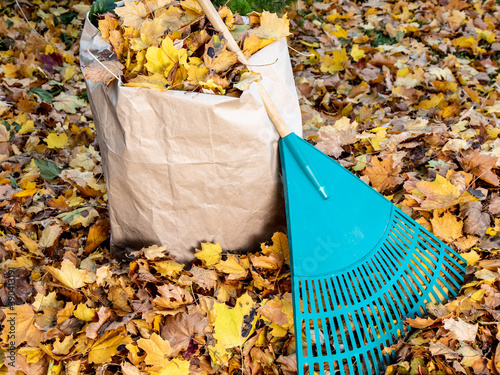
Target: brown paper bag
[{"x": 183, "y": 168}]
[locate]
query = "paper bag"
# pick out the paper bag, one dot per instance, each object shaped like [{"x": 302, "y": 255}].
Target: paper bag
[{"x": 183, "y": 168}]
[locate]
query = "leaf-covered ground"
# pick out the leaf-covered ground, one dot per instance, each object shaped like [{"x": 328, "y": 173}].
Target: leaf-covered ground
[{"x": 405, "y": 94}]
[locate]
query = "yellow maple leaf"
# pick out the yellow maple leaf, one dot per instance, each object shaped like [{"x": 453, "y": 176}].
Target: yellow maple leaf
[
  {"x": 279, "y": 247},
  {"x": 56, "y": 141},
  {"x": 357, "y": 53},
  {"x": 251, "y": 45},
  {"x": 157, "y": 350},
  {"x": 234, "y": 326},
  {"x": 333, "y": 64},
  {"x": 32, "y": 354},
  {"x": 10, "y": 70},
  {"x": 63, "y": 347},
  {"x": 162, "y": 60},
  {"x": 196, "y": 73},
  {"x": 108, "y": 24},
  {"x": 192, "y": 7},
  {"x": 68, "y": 275},
  {"x": 232, "y": 267},
  {"x": 447, "y": 227},
  {"x": 472, "y": 257},
  {"x": 156, "y": 82},
  {"x": 168, "y": 268},
  {"x": 106, "y": 346},
  {"x": 176, "y": 366},
  {"x": 228, "y": 17},
  {"x": 441, "y": 193},
  {"x": 435, "y": 101},
  {"x": 132, "y": 13},
  {"x": 66, "y": 312},
  {"x": 151, "y": 30},
  {"x": 271, "y": 26},
  {"x": 31, "y": 245},
  {"x": 210, "y": 254},
  {"x": 211, "y": 85}
]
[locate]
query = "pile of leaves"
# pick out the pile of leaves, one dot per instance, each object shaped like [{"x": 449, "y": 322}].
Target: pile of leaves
[
  {"x": 406, "y": 95},
  {"x": 169, "y": 45}
]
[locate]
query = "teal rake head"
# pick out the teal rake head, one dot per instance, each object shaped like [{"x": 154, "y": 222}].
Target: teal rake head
[{"x": 360, "y": 266}]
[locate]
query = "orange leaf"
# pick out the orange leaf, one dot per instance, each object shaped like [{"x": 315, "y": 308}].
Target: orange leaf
[{"x": 383, "y": 174}]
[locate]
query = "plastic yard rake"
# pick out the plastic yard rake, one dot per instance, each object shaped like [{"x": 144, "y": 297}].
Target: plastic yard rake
[{"x": 360, "y": 266}]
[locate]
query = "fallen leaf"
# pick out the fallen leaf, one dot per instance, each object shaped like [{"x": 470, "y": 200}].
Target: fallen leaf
[
  {"x": 480, "y": 165},
  {"x": 132, "y": 13},
  {"x": 210, "y": 254},
  {"x": 234, "y": 326},
  {"x": 271, "y": 26},
  {"x": 68, "y": 275},
  {"x": 67, "y": 103},
  {"x": 383, "y": 174},
  {"x": 104, "y": 71},
  {"x": 462, "y": 331},
  {"x": 181, "y": 328},
  {"x": 447, "y": 227}
]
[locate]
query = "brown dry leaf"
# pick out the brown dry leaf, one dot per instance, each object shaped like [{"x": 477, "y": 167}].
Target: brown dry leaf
[
  {"x": 462, "y": 331},
  {"x": 180, "y": 329},
  {"x": 172, "y": 297},
  {"x": 383, "y": 174},
  {"x": 104, "y": 71},
  {"x": 494, "y": 206},
  {"x": 207, "y": 279},
  {"x": 98, "y": 233},
  {"x": 272, "y": 310},
  {"x": 420, "y": 322},
  {"x": 332, "y": 138},
  {"x": 103, "y": 314},
  {"x": 26, "y": 331},
  {"x": 476, "y": 222},
  {"x": 217, "y": 57},
  {"x": 480, "y": 165}
]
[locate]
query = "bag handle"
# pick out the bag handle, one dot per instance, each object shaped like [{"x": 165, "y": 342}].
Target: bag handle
[{"x": 273, "y": 112}]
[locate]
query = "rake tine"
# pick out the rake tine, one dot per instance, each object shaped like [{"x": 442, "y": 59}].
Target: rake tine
[
  {"x": 353, "y": 292},
  {"x": 420, "y": 256},
  {"x": 336, "y": 344},
  {"x": 313, "y": 297},
  {"x": 306, "y": 322},
  {"x": 380, "y": 272},
  {"x": 419, "y": 284},
  {"x": 346, "y": 320},
  {"x": 399, "y": 283},
  {"x": 362, "y": 281}
]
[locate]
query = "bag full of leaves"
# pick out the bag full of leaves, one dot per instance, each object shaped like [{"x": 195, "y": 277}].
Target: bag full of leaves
[{"x": 188, "y": 150}]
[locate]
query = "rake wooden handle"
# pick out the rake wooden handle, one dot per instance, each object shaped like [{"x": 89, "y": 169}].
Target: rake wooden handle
[{"x": 273, "y": 112}]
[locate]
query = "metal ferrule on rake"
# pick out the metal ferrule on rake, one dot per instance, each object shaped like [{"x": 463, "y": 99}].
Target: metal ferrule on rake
[{"x": 360, "y": 266}]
